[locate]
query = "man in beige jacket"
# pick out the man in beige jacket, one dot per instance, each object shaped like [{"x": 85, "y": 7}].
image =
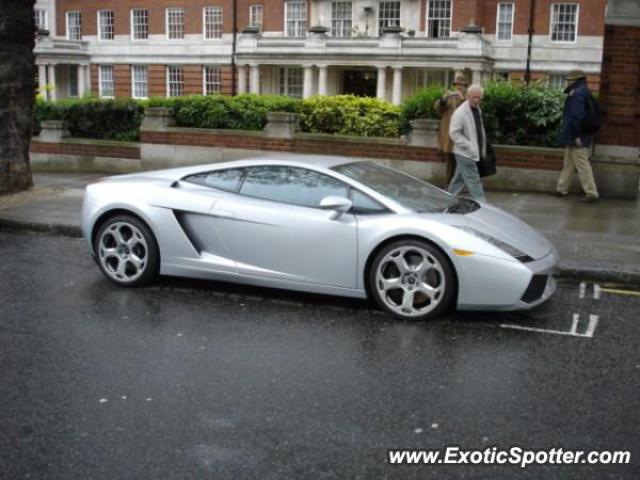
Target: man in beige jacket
[{"x": 445, "y": 106}]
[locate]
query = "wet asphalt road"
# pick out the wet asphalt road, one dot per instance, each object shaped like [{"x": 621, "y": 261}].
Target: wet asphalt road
[{"x": 204, "y": 380}]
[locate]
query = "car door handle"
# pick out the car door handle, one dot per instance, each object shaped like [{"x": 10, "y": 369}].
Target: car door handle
[{"x": 220, "y": 213}]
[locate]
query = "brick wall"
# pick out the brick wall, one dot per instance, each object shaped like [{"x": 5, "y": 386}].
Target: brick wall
[
  {"x": 89, "y": 149},
  {"x": 516, "y": 157},
  {"x": 620, "y": 86}
]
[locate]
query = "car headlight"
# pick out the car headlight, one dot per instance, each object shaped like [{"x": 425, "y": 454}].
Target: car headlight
[{"x": 505, "y": 247}]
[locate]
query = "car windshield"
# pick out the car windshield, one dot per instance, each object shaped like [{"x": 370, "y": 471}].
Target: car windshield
[{"x": 408, "y": 191}]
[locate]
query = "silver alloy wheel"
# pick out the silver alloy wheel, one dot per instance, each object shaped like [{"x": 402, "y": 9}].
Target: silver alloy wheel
[
  {"x": 123, "y": 252},
  {"x": 410, "y": 281}
]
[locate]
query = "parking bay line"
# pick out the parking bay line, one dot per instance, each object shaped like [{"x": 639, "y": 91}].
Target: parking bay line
[
  {"x": 620, "y": 292},
  {"x": 591, "y": 327}
]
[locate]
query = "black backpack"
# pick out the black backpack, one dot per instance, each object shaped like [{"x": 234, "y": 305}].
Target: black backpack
[{"x": 593, "y": 118}]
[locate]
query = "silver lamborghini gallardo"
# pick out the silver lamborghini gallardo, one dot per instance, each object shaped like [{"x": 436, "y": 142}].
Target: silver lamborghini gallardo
[{"x": 318, "y": 224}]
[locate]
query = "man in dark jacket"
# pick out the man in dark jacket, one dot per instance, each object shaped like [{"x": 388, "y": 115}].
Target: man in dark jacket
[{"x": 577, "y": 144}]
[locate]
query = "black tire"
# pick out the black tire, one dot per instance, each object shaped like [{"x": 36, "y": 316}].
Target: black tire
[
  {"x": 133, "y": 263},
  {"x": 438, "y": 275}
]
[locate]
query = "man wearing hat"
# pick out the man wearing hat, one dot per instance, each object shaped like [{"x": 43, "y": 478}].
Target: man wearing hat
[
  {"x": 576, "y": 142},
  {"x": 445, "y": 106}
]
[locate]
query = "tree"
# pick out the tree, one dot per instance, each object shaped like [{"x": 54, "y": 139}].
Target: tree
[{"x": 17, "y": 74}]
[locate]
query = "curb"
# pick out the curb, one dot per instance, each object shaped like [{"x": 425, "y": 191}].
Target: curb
[
  {"x": 57, "y": 229},
  {"x": 572, "y": 272}
]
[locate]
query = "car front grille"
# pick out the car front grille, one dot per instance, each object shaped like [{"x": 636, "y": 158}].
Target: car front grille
[{"x": 535, "y": 290}]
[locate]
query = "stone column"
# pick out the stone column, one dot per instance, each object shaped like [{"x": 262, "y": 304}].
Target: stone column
[
  {"x": 476, "y": 77},
  {"x": 307, "y": 86},
  {"x": 242, "y": 79},
  {"x": 381, "y": 91},
  {"x": 81, "y": 81},
  {"x": 397, "y": 86},
  {"x": 42, "y": 81},
  {"x": 52, "y": 82},
  {"x": 322, "y": 79},
  {"x": 255, "y": 79}
]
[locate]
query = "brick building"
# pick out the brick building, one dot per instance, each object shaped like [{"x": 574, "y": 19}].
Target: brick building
[{"x": 380, "y": 48}]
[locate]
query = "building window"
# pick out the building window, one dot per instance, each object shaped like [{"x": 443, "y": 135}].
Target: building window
[
  {"x": 564, "y": 22},
  {"x": 388, "y": 15},
  {"x": 556, "y": 81},
  {"x": 427, "y": 78},
  {"x": 212, "y": 22},
  {"x": 341, "y": 19},
  {"x": 140, "y": 24},
  {"x": 73, "y": 80},
  {"x": 106, "y": 80},
  {"x": 175, "y": 82},
  {"x": 439, "y": 19},
  {"x": 212, "y": 80},
  {"x": 175, "y": 23},
  {"x": 105, "y": 24},
  {"x": 296, "y": 18},
  {"x": 139, "y": 81},
  {"x": 291, "y": 81},
  {"x": 255, "y": 16},
  {"x": 40, "y": 16},
  {"x": 74, "y": 26},
  {"x": 502, "y": 77},
  {"x": 504, "y": 22}
]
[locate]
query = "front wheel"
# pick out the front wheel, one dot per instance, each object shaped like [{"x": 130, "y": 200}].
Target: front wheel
[
  {"x": 412, "y": 280},
  {"x": 127, "y": 251}
]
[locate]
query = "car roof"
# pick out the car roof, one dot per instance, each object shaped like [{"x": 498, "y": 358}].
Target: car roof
[{"x": 318, "y": 161}]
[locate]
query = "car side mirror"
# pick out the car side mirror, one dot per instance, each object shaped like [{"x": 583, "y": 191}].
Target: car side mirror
[{"x": 339, "y": 205}]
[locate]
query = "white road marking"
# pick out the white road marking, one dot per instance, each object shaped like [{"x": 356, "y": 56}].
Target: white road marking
[
  {"x": 574, "y": 325},
  {"x": 597, "y": 290},
  {"x": 593, "y": 323},
  {"x": 583, "y": 289}
]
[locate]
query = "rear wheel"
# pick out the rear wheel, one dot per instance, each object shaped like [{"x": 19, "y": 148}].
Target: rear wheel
[
  {"x": 127, "y": 251},
  {"x": 412, "y": 280}
]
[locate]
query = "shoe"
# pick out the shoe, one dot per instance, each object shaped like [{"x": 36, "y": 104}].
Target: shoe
[
  {"x": 561, "y": 194},
  {"x": 589, "y": 199}
]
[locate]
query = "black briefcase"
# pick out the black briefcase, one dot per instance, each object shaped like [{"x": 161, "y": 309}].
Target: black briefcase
[{"x": 487, "y": 165}]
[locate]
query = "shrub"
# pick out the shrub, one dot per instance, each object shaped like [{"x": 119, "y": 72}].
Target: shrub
[
  {"x": 420, "y": 106},
  {"x": 349, "y": 115},
  {"x": 242, "y": 112},
  {"x": 118, "y": 119},
  {"x": 519, "y": 115}
]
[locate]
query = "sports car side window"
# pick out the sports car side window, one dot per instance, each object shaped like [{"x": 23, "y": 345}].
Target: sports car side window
[
  {"x": 227, "y": 180},
  {"x": 297, "y": 186},
  {"x": 363, "y": 204}
]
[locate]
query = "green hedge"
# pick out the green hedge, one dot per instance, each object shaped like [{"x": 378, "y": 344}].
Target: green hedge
[
  {"x": 349, "y": 115},
  {"x": 89, "y": 117},
  {"x": 513, "y": 114}
]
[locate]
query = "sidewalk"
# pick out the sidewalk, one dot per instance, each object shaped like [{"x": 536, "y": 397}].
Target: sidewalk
[{"x": 598, "y": 241}]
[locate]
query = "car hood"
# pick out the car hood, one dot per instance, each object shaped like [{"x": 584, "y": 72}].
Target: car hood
[{"x": 505, "y": 227}]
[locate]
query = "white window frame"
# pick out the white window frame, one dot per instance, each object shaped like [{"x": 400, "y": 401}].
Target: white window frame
[
  {"x": 299, "y": 23},
  {"x": 113, "y": 25},
  {"x": 428, "y": 30},
  {"x": 343, "y": 26},
  {"x": 386, "y": 19},
  {"x": 205, "y": 33},
  {"x": 135, "y": 81},
  {"x": 258, "y": 7},
  {"x": 205, "y": 79},
  {"x": 68, "y": 24},
  {"x": 133, "y": 25},
  {"x": 283, "y": 74},
  {"x": 168, "y": 75},
  {"x": 101, "y": 69},
  {"x": 72, "y": 78},
  {"x": 167, "y": 14},
  {"x": 558, "y": 76},
  {"x": 424, "y": 76},
  {"x": 513, "y": 13},
  {"x": 41, "y": 16},
  {"x": 552, "y": 7}
]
